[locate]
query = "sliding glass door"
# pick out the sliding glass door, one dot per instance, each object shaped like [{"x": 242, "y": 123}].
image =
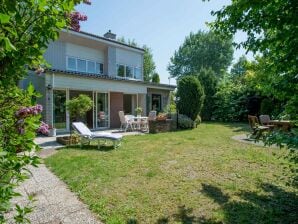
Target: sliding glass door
[
  {"x": 102, "y": 106},
  {"x": 59, "y": 109}
]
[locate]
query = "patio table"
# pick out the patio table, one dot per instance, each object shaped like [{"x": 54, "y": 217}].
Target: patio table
[{"x": 283, "y": 124}]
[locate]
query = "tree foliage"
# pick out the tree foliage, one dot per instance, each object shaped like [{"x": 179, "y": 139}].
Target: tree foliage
[
  {"x": 155, "y": 78},
  {"x": 149, "y": 64},
  {"x": 78, "y": 106},
  {"x": 202, "y": 50},
  {"x": 271, "y": 28},
  {"x": 19, "y": 120},
  {"x": 191, "y": 96},
  {"x": 26, "y": 28},
  {"x": 208, "y": 80}
]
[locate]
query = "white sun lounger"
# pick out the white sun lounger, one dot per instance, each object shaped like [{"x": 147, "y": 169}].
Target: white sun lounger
[{"x": 88, "y": 136}]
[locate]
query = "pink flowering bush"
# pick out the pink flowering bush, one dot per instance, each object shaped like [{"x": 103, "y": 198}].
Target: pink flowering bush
[
  {"x": 43, "y": 128},
  {"x": 19, "y": 120},
  {"x": 75, "y": 18}
]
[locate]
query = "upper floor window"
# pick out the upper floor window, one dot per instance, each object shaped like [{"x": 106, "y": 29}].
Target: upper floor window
[
  {"x": 83, "y": 65},
  {"x": 130, "y": 72},
  {"x": 121, "y": 70}
]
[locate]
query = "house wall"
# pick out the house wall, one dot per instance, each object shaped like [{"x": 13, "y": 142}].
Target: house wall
[
  {"x": 55, "y": 55},
  {"x": 84, "y": 52},
  {"x": 89, "y": 84},
  {"x": 130, "y": 58},
  {"x": 116, "y": 105}
]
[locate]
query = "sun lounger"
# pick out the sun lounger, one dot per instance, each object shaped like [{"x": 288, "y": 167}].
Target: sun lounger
[{"x": 88, "y": 136}]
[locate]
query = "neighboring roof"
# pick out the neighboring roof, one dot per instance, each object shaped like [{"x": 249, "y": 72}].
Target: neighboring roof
[
  {"x": 103, "y": 38},
  {"x": 106, "y": 77}
]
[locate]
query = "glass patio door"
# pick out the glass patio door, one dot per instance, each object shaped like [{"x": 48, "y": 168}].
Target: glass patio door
[
  {"x": 59, "y": 109},
  {"x": 102, "y": 110}
]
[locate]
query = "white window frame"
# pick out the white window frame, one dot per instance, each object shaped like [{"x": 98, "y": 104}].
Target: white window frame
[
  {"x": 133, "y": 71},
  {"x": 78, "y": 58}
]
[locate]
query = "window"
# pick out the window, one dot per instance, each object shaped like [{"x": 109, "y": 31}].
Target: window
[
  {"x": 71, "y": 64},
  {"x": 81, "y": 65},
  {"x": 137, "y": 73},
  {"x": 156, "y": 102},
  {"x": 99, "y": 68},
  {"x": 129, "y": 72},
  {"x": 91, "y": 66},
  {"x": 121, "y": 70}
]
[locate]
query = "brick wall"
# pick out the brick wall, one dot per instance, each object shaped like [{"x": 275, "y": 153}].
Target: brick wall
[{"x": 116, "y": 104}]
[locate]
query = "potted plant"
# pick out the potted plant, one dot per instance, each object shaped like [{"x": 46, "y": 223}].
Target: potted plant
[
  {"x": 139, "y": 111},
  {"x": 52, "y": 131},
  {"x": 77, "y": 108},
  {"x": 161, "y": 117}
]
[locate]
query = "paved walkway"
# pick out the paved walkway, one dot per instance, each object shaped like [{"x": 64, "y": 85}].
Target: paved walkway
[{"x": 54, "y": 202}]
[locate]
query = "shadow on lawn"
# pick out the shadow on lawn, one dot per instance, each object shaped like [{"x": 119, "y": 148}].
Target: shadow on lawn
[
  {"x": 237, "y": 126},
  {"x": 274, "y": 205}
]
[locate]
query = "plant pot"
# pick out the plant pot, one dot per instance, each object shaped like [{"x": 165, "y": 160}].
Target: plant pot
[
  {"x": 68, "y": 140},
  {"x": 52, "y": 132}
]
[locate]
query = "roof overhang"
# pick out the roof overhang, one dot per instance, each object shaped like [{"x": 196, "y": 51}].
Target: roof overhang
[{"x": 102, "y": 40}]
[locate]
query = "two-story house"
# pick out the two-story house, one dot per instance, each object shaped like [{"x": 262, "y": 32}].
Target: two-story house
[{"x": 108, "y": 71}]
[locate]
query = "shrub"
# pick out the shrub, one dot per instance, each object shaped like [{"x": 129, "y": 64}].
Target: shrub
[
  {"x": 185, "y": 122},
  {"x": 191, "y": 96},
  {"x": 19, "y": 121},
  {"x": 78, "y": 106}
]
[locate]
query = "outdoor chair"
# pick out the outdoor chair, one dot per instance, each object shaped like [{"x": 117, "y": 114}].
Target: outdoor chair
[
  {"x": 126, "y": 122},
  {"x": 87, "y": 136},
  {"x": 266, "y": 121},
  {"x": 257, "y": 129},
  {"x": 152, "y": 115}
]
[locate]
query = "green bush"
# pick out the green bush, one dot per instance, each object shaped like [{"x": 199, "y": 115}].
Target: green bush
[
  {"x": 19, "y": 121},
  {"x": 78, "y": 106},
  {"x": 185, "y": 122},
  {"x": 208, "y": 80},
  {"x": 191, "y": 96}
]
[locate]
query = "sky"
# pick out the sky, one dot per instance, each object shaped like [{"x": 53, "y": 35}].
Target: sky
[{"x": 162, "y": 25}]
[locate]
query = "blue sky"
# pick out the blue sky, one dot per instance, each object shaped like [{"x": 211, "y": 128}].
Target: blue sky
[{"x": 162, "y": 25}]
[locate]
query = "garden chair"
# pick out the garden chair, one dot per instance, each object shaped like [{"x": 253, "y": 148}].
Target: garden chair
[
  {"x": 266, "y": 121},
  {"x": 152, "y": 115},
  {"x": 257, "y": 129},
  {"x": 126, "y": 122},
  {"x": 87, "y": 136}
]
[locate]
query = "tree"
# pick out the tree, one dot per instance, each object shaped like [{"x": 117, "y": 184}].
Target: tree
[
  {"x": 26, "y": 28},
  {"x": 208, "y": 80},
  {"x": 25, "y": 31},
  {"x": 271, "y": 28},
  {"x": 155, "y": 78},
  {"x": 202, "y": 50},
  {"x": 149, "y": 64},
  {"x": 239, "y": 68},
  {"x": 191, "y": 96}
]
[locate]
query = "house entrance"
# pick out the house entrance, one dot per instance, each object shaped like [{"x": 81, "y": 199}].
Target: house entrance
[{"x": 128, "y": 104}]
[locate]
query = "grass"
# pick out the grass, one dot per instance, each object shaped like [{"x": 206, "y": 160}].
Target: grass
[{"x": 195, "y": 176}]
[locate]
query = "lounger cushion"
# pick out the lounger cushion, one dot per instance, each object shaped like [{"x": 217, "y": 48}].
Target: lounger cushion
[{"x": 107, "y": 135}]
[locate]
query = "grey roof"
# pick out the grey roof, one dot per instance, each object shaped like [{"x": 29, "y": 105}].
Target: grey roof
[
  {"x": 107, "y": 39},
  {"x": 99, "y": 76}
]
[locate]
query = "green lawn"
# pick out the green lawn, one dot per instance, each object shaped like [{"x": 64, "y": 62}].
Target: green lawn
[{"x": 195, "y": 176}]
